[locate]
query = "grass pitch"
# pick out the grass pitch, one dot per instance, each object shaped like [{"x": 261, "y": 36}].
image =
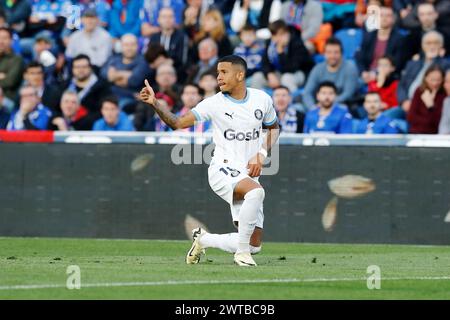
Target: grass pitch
[{"x": 35, "y": 268}]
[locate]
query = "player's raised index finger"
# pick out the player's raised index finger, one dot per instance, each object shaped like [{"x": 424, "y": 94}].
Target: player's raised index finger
[{"x": 147, "y": 85}]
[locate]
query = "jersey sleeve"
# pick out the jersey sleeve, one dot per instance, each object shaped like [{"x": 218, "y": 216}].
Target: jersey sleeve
[
  {"x": 202, "y": 111},
  {"x": 270, "y": 116}
]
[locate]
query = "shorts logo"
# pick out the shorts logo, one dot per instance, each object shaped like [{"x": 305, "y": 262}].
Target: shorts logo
[{"x": 258, "y": 114}]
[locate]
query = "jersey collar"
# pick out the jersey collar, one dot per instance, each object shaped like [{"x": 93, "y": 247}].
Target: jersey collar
[{"x": 247, "y": 94}]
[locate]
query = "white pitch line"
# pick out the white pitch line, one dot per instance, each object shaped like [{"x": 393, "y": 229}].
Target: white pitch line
[{"x": 213, "y": 282}]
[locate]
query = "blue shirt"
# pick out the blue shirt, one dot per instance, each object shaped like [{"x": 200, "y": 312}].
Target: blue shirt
[
  {"x": 124, "y": 124},
  {"x": 382, "y": 124},
  {"x": 130, "y": 15},
  {"x": 338, "y": 120},
  {"x": 150, "y": 10},
  {"x": 39, "y": 118},
  {"x": 253, "y": 55}
]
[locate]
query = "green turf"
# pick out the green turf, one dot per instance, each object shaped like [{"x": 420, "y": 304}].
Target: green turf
[{"x": 43, "y": 261}]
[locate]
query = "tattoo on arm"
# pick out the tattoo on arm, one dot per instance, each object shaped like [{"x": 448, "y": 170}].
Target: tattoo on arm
[{"x": 168, "y": 117}]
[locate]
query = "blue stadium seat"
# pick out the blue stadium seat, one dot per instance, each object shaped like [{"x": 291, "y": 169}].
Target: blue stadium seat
[{"x": 351, "y": 41}]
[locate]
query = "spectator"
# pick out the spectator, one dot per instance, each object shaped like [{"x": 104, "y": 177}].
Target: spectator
[
  {"x": 31, "y": 113},
  {"x": 256, "y": 13},
  {"x": 126, "y": 71},
  {"x": 191, "y": 18},
  {"x": 341, "y": 14},
  {"x": 190, "y": 97},
  {"x": 92, "y": 40},
  {"x": 72, "y": 116},
  {"x": 328, "y": 116},
  {"x": 290, "y": 119},
  {"x": 385, "y": 83},
  {"x": 252, "y": 51},
  {"x": 207, "y": 60},
  {"x": 208, "y": 83},
  {"x": 426, "y": 105},
  {"x": 166, "y": 82},
  {"x": 342, "y": 73},
  {"x": 304, "y": 16},
  {"x": 361, "y": 13},
  {"x": 174, "y": 41},
  {"x": 49, "y": 16},
  {"x": 409, "y": 12},
  {"x": 213, "y": 27},
  {"x": 385, "y": 41},
  {"x": 5, "y": 110},
  {"x": 150, "y": 11},
  {"x": 112, "y": 118},
  {"x": 15, "y": 39},
  {"x": 428, "y": 16},
  {"x": 45, "y": 55},
  {"x": 125, "y": 19},
  {"x": 412, "y": 76},
  {"x": 375, "y": 122},
  {"x": 444, "y": 124},
  {"x": 102, "y": 9},
  {"x": 286, "y": 60},
  {"x": 155, "y": 56},
  {"x": 11, "y": 65},
  {"x": 48, "y": 94},
  {"x": 88, "y": 86},
  {"x": 17, "y": 13}
]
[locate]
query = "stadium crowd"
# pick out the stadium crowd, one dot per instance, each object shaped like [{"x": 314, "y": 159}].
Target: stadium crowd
[{"x": 342, "y": 66}]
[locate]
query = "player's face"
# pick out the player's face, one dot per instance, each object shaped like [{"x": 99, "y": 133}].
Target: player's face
[
  {"x": 228, "y": 76},
  {"x": 326, "y": 97},
  {"x": 372, "y": 104}
]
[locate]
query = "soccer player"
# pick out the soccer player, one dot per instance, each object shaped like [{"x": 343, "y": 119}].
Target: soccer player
[{"x": 237, "y": 114}]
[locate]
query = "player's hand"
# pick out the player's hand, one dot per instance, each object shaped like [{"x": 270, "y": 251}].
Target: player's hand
[
  {"x": 255, "y": 165},
  {"x": 147, "y": 94}
]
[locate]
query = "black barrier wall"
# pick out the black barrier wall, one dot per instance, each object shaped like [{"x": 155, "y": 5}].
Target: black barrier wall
[{"x": 321, "y": 194}]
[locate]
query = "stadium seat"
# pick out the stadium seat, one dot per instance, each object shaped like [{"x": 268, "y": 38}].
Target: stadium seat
[{"x": 351, "y": 41}]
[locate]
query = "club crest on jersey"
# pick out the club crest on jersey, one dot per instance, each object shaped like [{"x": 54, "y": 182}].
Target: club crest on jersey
[{"x": 258, "y": 114}]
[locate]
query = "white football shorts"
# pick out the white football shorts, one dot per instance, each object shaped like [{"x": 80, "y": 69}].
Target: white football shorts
[{"x": 223, "y": 178}]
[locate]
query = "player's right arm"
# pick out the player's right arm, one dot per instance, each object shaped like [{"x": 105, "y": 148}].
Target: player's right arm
[{"x": 147, "y": 95}]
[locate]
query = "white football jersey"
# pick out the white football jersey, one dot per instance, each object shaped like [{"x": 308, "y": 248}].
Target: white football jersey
[{"x": 237, "y": 124}]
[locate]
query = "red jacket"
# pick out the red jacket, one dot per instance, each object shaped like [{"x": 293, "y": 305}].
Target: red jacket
[
  {"x": 388, "y": 92},
  {"x": 422, "y": 119}
]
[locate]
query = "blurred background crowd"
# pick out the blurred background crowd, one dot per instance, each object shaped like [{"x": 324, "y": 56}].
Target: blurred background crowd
[{"x": 342, "y": 66}]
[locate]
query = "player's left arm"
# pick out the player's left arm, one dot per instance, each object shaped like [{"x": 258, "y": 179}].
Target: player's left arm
[{"x": 255, "y": 164}]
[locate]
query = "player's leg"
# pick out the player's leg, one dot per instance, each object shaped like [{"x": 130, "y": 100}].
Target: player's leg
[
  {"x": 253, "y": 195},
  {"x": 229, "y": 242}
]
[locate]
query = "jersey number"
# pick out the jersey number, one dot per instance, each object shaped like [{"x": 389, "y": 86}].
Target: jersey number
[{"x": 234, "y": 173}]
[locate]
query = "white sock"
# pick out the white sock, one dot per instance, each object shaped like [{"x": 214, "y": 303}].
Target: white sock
[
  {"x": 227, "y": 242},
  {"x": 247, "y": 217}
]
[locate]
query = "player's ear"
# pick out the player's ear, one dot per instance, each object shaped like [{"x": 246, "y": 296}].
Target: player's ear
[{"x": 241, "y": 76}]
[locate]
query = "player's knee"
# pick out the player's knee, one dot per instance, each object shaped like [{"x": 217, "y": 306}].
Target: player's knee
[
  {"x": 255, "y": 250},
  {"x": 257, "y": 193}
]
